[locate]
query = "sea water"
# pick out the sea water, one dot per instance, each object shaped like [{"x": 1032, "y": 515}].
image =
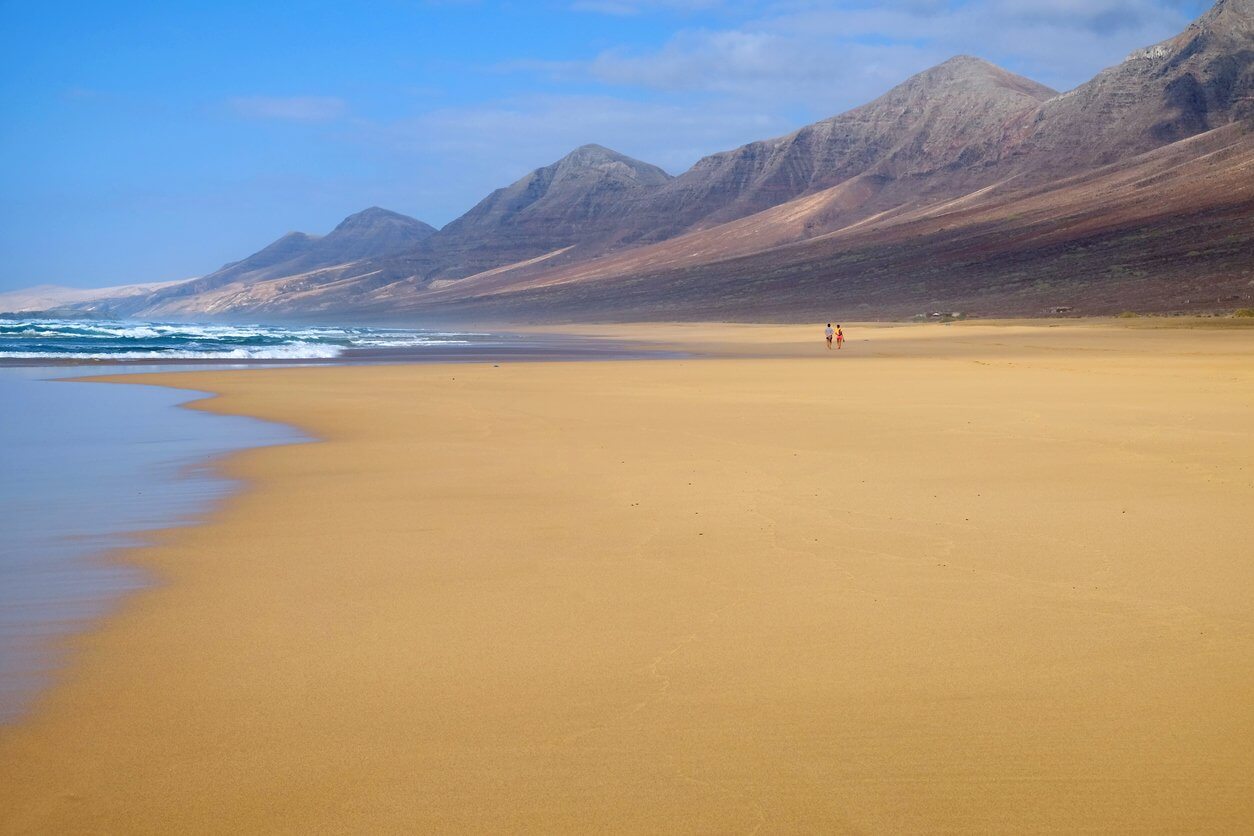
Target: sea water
[
  {"x": 26, "y": 339},
  {"x": 84, "y": 469}
]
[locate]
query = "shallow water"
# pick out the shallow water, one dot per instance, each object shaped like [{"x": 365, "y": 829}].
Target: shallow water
[{"x": 84, "y": 468}]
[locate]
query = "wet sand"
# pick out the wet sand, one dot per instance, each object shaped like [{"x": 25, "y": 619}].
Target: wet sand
[
  {"x": 949, "y": 578},
  {"x": 84, "y": 469}
]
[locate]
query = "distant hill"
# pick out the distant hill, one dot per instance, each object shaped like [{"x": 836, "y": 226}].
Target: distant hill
[
  {"x": 49, "y": 297},
  {"x": 369, "y": 234},
  {"x": 966, "y": 187}
]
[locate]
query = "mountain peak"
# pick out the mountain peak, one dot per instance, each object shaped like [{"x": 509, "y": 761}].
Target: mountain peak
[
  {"x": 376, "y": 212},
  {"x": 1228, "y": 18},
  {"x": 1227, "y": 23},
  {"x": 579, "y": 198},
  {"x": 376, "y": 218},
  {"x": 1196, "y": 81},
  {"x": 605, "y": 161},
  {"x": 1235, "y": 8},
  {"x": 969, "y": 62},
  {"x": 969, "y": 71},
  {"x": 592, "y": 149}
]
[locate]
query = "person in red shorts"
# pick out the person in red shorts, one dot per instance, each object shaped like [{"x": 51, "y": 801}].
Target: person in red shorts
[{"x": 840, "y": 338}]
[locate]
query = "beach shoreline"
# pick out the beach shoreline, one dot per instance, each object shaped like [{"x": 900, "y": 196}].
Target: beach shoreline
[
  {"x": 894, "y": 587},
  {"x": 90, "y": 471},
  {"x": 127, "y": 344}
]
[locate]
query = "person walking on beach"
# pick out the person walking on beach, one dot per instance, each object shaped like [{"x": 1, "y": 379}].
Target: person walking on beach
[
  {"x": 840, "y": 338},
  {"x": 828, "y": 333}
]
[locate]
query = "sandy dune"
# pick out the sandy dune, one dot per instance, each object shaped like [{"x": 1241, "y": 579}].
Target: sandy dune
[{"x": 977, "y": 579}]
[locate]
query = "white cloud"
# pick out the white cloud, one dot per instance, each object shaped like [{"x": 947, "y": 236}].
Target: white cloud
[
  {"x": 772, "y": 68},
  {"x": 290, "y": 108},
  {"x": 820, "y": 55}
]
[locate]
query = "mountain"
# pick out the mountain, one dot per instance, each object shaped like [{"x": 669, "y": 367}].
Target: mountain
[
  {"x": 974, "y": 145},
  {"x": 47, "y": 297},
  {"x": 281, "y": 254},
  {"x": 560, "y": 203},
  {"x": 1169, "y": 230},
  {"x": 967, "y": 123},
  {"x": 576, "y": 200},
  {"x": 964, "y": 187},
  {"x": 948, "y": 119},
  {"x": 371, "y": 233},
  {"x": 1201, "y": 79},
  {"x": 542, "y": 215}
]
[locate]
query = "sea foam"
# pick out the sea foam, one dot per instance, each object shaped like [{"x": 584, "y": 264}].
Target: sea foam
[{"x": 62, "y": 339}]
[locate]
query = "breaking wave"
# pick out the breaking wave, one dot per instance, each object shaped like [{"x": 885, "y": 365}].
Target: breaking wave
[{"x": 60, "y": 339}]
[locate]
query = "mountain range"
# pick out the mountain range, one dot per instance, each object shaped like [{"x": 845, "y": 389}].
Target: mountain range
[{"x": 965, "y": 188}]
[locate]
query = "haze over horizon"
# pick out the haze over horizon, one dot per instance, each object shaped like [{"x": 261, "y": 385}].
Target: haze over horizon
[{"x": 148, "y": 145}]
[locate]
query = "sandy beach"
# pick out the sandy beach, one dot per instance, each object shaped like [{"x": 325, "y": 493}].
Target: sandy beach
[{"x": 990, "y": 578}]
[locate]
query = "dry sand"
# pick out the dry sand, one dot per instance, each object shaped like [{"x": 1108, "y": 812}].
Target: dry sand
[{"x": 975, "y": 579}]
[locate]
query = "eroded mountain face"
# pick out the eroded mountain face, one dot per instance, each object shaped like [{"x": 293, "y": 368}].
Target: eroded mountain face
[
  {"x": 953, "y": 115},
  {"x": 1197, "y": 81},
  {"x": 577, "y": 200},
  {"x": 371, "y": 234}
]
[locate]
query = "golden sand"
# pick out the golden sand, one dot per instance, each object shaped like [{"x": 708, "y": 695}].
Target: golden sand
[{"x": 978, "y": 579}]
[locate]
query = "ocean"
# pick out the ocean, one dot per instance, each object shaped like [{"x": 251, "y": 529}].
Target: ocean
[
  {"x": 32, "y": 341},
  {"x": 88, "y": 340}
]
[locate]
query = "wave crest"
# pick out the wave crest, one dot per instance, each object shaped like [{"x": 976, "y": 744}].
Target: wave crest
[{"x": 55, "y": 339}]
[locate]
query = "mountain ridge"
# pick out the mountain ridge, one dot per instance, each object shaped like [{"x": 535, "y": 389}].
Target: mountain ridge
[
  {"x": 571, "y": 201},
  {"x": 370, "y": 233},
  {"x": 1190, "y": 83},
  {"x": 964, "y": 133},
  {"x": 865, "y": 141}
]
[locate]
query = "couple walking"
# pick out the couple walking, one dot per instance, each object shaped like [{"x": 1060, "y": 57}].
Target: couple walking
[{"x": 838, "y": 334}]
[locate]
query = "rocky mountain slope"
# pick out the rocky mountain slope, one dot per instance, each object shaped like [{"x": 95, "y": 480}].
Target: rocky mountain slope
[
  {"x": 370, "y": 234},
  {"x": 1199, "y": 80},
  {"x": 1169, "y": 230},
  {"x": 945, "y": 122},
  {"x": 577, "y": 200}
]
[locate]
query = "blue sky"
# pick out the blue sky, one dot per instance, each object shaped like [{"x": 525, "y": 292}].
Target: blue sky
[{"x": 145, "y": 141}]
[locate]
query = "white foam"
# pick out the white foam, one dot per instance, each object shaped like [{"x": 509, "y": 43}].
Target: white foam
[
  {"x": 404, "y": 343},
  {"x": 298, "y": 351},
  {"x": 159, "y": 340}
]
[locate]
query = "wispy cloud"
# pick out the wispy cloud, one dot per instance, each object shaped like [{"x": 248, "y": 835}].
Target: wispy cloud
[
  {"x": 820, "y": 55},
  {"x": 290, "y": 108},
  {"x": 507, "y": 138}
]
